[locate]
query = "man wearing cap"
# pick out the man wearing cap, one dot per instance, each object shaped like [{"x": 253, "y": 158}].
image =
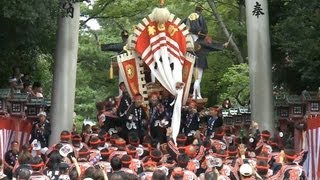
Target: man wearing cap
[
  {"x": 246, "y": 171},
  {"x": 41, "y": 130}
]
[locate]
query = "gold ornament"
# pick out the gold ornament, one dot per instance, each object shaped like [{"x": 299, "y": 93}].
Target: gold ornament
[{"x": 130, "y": 71}]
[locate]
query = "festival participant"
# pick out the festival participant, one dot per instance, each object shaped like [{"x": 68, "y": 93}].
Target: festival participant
[
  {"x": 124, "y": 101},
  {"x": 53, "y": 164},
  {"x": 121, "y": 148},
  {"x": 94, "y": 144},
  {"x": 203, "y": 45},
  {"x": 105, "y": 153},
  {"x": 167, "y": 100},
  {"x": 148, "y": 168},
  {"x": 135, "y": 162},
  {"x": 233, "y": 160},
  {"x": 160, "y": 120},
  {"x": 83, "y": 159},
  {"x": 76, "y": 143},
  {"x": 24, "y": 162},
  {"x": 224, "y": 169},
  {"x": 195, "y": 158},
  {"x": 10, "y": 159},
  {"x": 217, "y": 139},
  {"x": 180, "y": 173},
  {"x": 213, "y": 120},
  {"x": 289, "y": 169},
  {"x": 134, "y": 140},
  {"x": 24, "y": 173},
  {"x": 117, "y": 47},
  {"x": 94, "y": 173},
  {"x": 106, "y": 117},
  {"x": 153, "y": 102},
  {"x": 13, "y": 86},
  {"x": 126, "y": 161},
  {"x": 64, "y": 171},
  {"x": 262, "y": 169},
  {"x": 159, "y": 175},
  {"x": 100, "y": 106},
  {"x": 37, "y": 168},
  {"x": 41, "y": 130},
  {"x": 247, "y": 172},
  {"x": 116, "y": 166},
  {"x": 136, "y": 117},
  {"x": 190, "y": 119}
]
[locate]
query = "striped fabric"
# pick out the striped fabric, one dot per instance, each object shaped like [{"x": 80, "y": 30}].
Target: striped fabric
[
  {"x": 13, "y": 129},
  {"x": 313, "y": 134}
]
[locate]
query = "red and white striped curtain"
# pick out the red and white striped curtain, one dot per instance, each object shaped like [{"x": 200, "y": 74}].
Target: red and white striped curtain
[
  {"x": 312, "y": 164},
  {"x": 163, "y": 48},
  {"x": 13, "y": 129}
]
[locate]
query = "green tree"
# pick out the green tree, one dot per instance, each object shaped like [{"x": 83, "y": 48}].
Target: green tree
[
  {"x": 296, "y": 43},
  {"x": 235, "y": 84},
  {"x": 27, "y": 38}
]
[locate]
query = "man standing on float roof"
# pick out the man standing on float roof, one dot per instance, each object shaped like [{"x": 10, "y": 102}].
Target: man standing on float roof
[{"x": 203, "y": 45}]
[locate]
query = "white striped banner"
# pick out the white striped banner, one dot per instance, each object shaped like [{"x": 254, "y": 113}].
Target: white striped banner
[
  {"x": 313, "y": 158},
  {"x": 13, "y": 129}
]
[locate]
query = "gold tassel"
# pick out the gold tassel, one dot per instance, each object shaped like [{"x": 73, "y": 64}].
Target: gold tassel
[{"x": 111, "y": 71}]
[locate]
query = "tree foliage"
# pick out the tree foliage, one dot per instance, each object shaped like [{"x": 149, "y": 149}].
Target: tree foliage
[
  {"x": 296, "y": 43},
  {"x": 27, "y": 38},
  {"x": 235, "y": 83}
]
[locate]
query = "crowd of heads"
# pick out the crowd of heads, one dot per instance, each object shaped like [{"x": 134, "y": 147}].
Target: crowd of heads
[{"x": 104, "y": 151}]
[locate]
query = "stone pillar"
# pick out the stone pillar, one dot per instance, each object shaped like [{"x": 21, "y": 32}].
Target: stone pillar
[
  {"x": 260, "y": 63},
  {"x": 64, "y": 80}
]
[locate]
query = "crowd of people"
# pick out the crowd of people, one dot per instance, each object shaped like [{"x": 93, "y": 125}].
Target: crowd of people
[
  {"x": 134, "y": 141},
  {"x": 22, "y": 83}
]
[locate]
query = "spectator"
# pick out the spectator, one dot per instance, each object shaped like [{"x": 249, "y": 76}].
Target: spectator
[
  {"x": 41, "y": 130},
  {"x": 37, "y": 90},
  {"x": 27, "y": 88},
  {"x": 11, "y": 158},
  {"x": 18, "y": 76}
]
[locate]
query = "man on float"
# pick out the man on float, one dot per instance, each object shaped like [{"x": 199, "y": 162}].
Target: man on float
[{"x": 202, "y": 46}]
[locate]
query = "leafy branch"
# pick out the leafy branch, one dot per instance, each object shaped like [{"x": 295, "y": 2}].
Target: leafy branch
[{"x": 97, "y": 13}]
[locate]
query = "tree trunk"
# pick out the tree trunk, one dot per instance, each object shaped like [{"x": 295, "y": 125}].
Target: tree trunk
[
  {"x": 242, "y": 22},
  {"x": 225, "y": 30}
]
